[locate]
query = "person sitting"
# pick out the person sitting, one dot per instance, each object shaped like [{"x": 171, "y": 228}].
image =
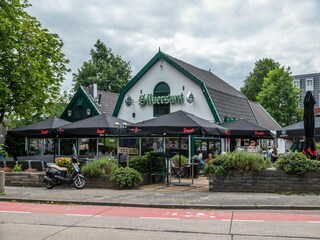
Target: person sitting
[
  {"x": 274, "y": 155},
  {"x": 201, "y": 162},
  {"x": 252, "y": 148},
  {"x": 208, "y": 158}
]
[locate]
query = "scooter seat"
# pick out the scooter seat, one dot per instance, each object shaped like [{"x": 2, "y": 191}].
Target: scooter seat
[{"x": 57, "y": 167}]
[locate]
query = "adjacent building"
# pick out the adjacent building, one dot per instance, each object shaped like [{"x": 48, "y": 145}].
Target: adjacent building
[{"x": 308, "y": 82}]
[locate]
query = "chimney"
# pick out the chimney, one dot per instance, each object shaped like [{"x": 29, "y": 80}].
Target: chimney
[
  {"x": 94, "y": 90},
  {"x": 99, "y": 102}
]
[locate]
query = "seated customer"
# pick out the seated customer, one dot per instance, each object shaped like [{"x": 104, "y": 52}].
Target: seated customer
[
  {"x": 252, "y": 148},
  {"x": 208, "y": 158}
]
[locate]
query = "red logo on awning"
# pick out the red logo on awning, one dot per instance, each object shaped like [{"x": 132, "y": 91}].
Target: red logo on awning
[
  {"x": 100, "y": 131},
  {"x": 136, "y": 129},
  {"x": 258, "y": 132},
  {"x": 44, "y": 132},
  {"x": 188, "y": 130}
]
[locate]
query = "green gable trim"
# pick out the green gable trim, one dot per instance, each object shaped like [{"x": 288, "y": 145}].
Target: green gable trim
[
  {"x": 134, "y": 81},
  {"x": 143, "y": 71},
  {"x": 79, "y": 98}
]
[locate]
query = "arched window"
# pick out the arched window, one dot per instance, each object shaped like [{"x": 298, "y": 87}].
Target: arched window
[{"x": 162, "y": 89}]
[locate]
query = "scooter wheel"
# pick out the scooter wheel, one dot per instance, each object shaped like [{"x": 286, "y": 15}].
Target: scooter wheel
[
  {"x": 79, "y": 182},
  {"x": 48, "y": 184}
]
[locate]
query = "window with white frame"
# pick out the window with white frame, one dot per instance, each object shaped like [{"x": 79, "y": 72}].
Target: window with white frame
[
  {"x": 309, "y": 84},
  {"x": 296, "y": 83}
]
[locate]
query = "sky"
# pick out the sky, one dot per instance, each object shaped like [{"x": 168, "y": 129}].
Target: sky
[{"x": 226, "y": 36}]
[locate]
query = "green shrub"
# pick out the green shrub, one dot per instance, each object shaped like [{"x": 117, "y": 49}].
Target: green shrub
[
  {"x": 64, "y": 162},
  {"x": 236, "y": 161},
  {"x": 17, "y": 168},
  {"x": 296, "y": 163},
  {"x": 3, "y": 152},
  {"x": 101, "y": 166},
  {"x": 140, "y": 163},
  {"x": 175, "y": 160},
  {"x": 126, "y": 177}
]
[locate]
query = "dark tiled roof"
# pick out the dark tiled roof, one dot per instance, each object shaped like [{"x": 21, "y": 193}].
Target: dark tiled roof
[
  {"x": 229, "y": 101},
  {"x": 263, "y": 117},
  {"x": 232, "y": 106},
  {"x": 211, "y": 80},
  {"x": 107, "y": 103}
]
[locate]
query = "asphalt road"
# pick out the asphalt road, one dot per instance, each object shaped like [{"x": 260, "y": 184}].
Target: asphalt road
[{"x": 45, "y": 221}]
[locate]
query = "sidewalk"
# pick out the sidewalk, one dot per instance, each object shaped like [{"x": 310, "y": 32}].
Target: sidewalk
[{"x": 159, "y": 195}]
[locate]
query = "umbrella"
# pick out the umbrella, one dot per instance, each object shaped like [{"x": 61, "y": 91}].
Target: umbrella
[
  {"x": 49, "y": 128},
  {"x": 92, "y": 127},
  {"x": 308, "y": 120},
  {"x": 297, "y": 129},
  {"x": 178, "y": 123},
  {"x": 243, "y": 128}
]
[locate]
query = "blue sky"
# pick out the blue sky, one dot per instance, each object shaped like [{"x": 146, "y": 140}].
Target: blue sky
[{"x": 226, "y": 36}]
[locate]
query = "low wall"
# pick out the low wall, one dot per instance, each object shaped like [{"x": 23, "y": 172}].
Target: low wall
[
  {"x": 269, "y": 181},
  {"x": 24, "y": 179},
  {"x": 27, "y": 179}
]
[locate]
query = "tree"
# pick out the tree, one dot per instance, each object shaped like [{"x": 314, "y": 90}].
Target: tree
[
  {"x": 253, "y": 82},
  {"x": 108, "y": 71},
  {"x": 280, "y": 97},
  {"x": 32, "y": 65},
  {"x": 56, "y": 109}
]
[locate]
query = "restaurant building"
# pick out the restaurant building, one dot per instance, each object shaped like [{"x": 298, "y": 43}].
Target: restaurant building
[{"x": 166, "y": 84}]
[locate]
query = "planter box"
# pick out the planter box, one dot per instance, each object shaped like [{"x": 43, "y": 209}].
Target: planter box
[
  {"x": 269, "y": 181},
  {"x": 35, "y": 179}
]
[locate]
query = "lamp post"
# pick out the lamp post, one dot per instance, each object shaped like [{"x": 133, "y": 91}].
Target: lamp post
[{"x": 119, "y": 129}]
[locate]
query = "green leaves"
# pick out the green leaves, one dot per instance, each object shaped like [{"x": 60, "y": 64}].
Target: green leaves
[
  {"x": 126, "y": 177},
  {"x": 280, "y": 97},
  {"x": 236, "y": 161},
  {"x": 32, "y": 64},
  {"x": 108, "y": 71},
  {"x": 297, "y": 163},
  {"x": 253, "y": 83}
]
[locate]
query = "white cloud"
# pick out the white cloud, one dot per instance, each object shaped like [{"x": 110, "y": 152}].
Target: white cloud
[{"x": 227, "y": 36}]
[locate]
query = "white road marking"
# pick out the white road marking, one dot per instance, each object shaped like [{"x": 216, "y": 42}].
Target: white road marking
[
  {"x": 248, "y": 220},
  {"x": 79, "y": 215},
  {"x": 313, "y": 221},
  {"x": 160, "y": 218},
  {"x": 13, "y": 212}
]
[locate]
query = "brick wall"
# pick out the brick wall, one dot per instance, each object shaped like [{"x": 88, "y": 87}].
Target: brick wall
[
  {"x": 270, "y": 181},
  {"x": 25, "y": 179}
]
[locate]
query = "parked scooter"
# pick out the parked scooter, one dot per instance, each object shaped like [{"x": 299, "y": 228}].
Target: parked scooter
[{"x": 56, "y": 175}]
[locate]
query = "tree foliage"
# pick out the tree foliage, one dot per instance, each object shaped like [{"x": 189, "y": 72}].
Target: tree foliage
[
  {"x": 253, "y": 83},
  {"x": 280, "y": 97},
  {"x": 57, "y": 107},
  {"x": 108, "y": 71},
  {"x": 32, "y": 65}
]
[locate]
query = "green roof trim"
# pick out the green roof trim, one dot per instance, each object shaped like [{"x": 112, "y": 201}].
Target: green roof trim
[
  {"x": 79, "y": 98},
  {"x": 158, "y": 56}
]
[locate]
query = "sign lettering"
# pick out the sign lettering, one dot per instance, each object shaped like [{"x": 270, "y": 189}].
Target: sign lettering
[
  {"x": 188, "y": 130},
  {"x": 131, "y": 151},
  {"x": 150, "y": 99}
]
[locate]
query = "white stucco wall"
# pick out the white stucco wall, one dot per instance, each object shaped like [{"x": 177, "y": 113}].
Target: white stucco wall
[{"x": 176, "y": 81}]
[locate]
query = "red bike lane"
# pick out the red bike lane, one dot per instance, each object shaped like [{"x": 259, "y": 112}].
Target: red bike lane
[{"x": 160, "y": 213}]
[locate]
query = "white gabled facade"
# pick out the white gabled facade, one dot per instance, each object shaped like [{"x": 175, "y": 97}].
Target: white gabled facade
[{"x": 178, "y": 83}]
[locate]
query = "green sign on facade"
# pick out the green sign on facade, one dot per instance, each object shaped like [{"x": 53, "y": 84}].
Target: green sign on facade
[{"x": 150, "y": 99}]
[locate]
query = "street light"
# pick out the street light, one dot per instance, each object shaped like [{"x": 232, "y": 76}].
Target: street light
[{"x": 119, "y": 129}]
